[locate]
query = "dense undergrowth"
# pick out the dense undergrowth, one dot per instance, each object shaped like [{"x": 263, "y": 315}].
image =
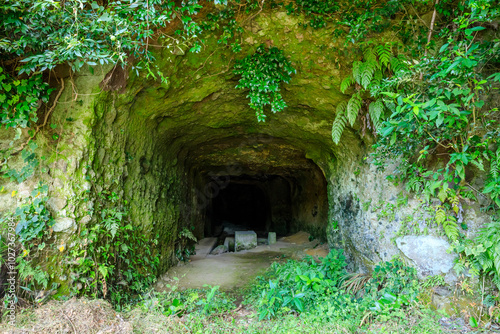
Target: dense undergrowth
[
  {"x": 317, "y": 296},
  {"x": 306, "y": 296}
]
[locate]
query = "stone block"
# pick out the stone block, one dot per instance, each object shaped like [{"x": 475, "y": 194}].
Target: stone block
[
  {"x": 221, "y": 249},
  {"x": 244, "y": 240},
  {"x": 261, "y": 241},
  {"x": 229, "y": 243},
  {"x": 271, "y": 238}
]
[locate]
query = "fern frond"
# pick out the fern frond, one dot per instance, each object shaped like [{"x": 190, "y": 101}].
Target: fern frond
[
  {"x": 440, "y": 215},
  {"x": 338, "y": 126},
  {"x": 395, "y": 65},
  {"x": 384, "y": 54},
  {"x": 391, "y": 106},
  {"x": 357, "y": 68},
  {"x": 495, "y": 165},
  {"x": 353, "y": 108},
  {"x": 367, "y": 70},
  {"x": 377, "y": 78},
  {"x": 451, "y": 228},
  {"x": 369, "y": 55},
  {"x": 375, "y": 110},
  {"x": 414, "y": 184},
  {"x": 341, "y": 107},
  {"x": 478, "y": 164},
  {"x": 346, "y": 83},
  {"x": 455, "y": 203}
]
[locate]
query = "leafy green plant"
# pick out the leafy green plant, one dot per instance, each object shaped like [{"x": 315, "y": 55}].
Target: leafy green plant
[
  {"x": 19, "y": 99},
  {"x": 433, "y": 281},
  {"x": 359, "y": 17},
  {"x": 445, "y": 112},
  {"x": 294, "y": 286},
  {"x": 185, "y": 245},
  {"x": 32, "y": 216},
  {"x": 86, "y": 34},
  {"x": 172, "y": 302},
  {"x": 317, "y": 11},
  {"x": 225, "y": 19},
  {"x": 492, "y": 186},
  {"x": 389, "y": 302},
  {"x": 32, "y": 221},
  {"x": 378, "y": 62},
  {"x": 262, "y": 73},
  {"x": 481, "y": 254},
  {"x": 31, "y": 162},
  {"x": 443, "y": 130},
  {"x": 395, "y": 278},
  {"x": 333, "y": 265},
  {"x": 33, "y": 277},
  {"x": 354, "y": 283},
  {"x": 36, "y": 36},
  {"x": 489, "y": 255},
  {"x": 113, "y": 260}
]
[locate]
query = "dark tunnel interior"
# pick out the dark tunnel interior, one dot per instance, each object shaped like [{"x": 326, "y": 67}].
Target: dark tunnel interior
[{"x": 264, "y": 203}]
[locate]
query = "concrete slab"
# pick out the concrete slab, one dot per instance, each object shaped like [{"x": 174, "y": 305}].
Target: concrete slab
[
  {"x": 204, "y": 247},
  {"x": 219, "y": 250},
  {"x": 244, "y": 240}
]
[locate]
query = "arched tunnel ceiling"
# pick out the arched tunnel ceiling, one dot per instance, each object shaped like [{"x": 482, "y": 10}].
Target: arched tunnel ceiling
[
  {"x": 202, "y": 116},
  {"x": 248, "y": 155}
]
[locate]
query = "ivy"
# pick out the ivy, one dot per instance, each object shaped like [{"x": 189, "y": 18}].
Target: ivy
[
  {"x": 262, "y": 73},
  {"x": 33, "y": 222},
  {"x": 33, "y": 217},
  {"x": 27, "y": 169},
  {"x": 19, "y": 99}
]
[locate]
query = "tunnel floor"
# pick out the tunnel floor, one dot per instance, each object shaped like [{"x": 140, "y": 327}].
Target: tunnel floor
[{"x": 237, "y": 269}]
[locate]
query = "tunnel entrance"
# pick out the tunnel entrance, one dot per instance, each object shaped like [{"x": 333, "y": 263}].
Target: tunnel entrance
[
  {"x": 254, "y": 183},
  {"x": 265, "y": 203}
]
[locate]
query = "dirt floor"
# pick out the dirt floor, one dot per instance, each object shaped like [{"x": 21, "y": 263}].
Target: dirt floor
[{"x": 236, "y": 269}]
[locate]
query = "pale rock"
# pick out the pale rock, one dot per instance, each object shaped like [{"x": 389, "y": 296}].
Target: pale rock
[{"x": 63, "y": 224}]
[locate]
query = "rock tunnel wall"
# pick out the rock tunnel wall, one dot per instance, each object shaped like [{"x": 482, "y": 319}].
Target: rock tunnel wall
[{"x": 167, "y": 148}]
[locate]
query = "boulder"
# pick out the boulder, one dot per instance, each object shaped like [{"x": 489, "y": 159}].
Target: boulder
[{"x": 429, "y": 254}]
